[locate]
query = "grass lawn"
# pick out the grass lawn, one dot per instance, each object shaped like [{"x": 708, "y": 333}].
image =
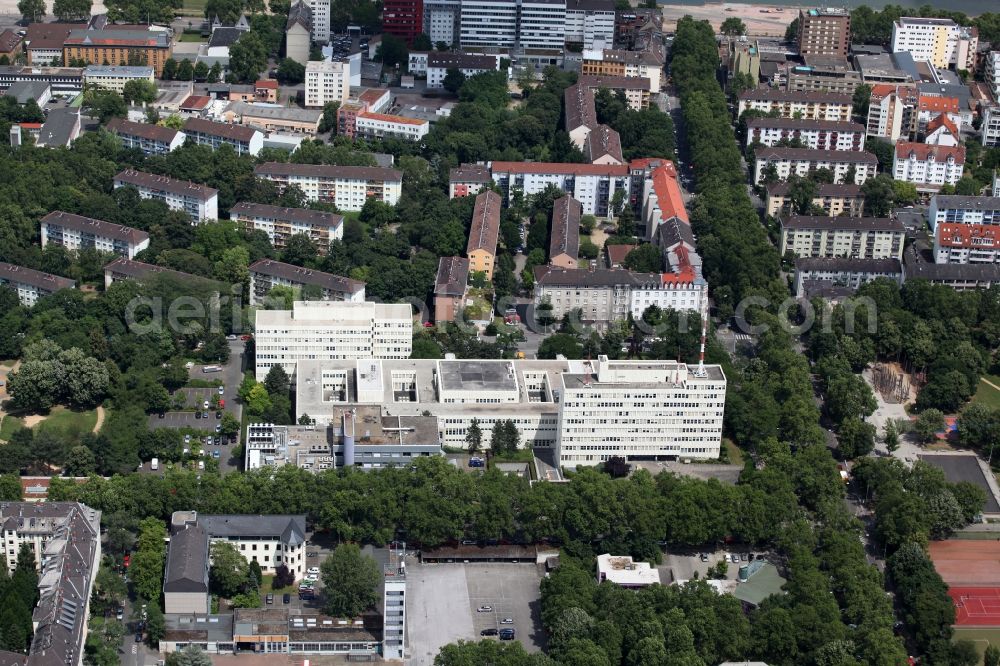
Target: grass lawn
[
  {"x": 981, "y": 637},
  {"x": 191, "y": 37},
  {"x": 194, "y": 8},
  {"x": 69, "y": 423},
  {"x": 266, "y": 586},
  {"x": 988, "y": 395},
  {"x": 735, "y": 454},
  {"x": 10, "y": 424},
  {"x": 521, "y": 455}
]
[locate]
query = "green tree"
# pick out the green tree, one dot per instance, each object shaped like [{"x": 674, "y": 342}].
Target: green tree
[
  {"x": 71, "y": 10},
  {"x": 277, "y": 381},
  {"x": 855, "y": 438},
  {"x": 291, "y": 72},
  {"x": 992, "y": 656},
  {"x": 392, "y": 52},
  {"x": 156, "y": 626},
  {"x": 200, "y": 72},
  {"x": 862, "y": 97},
  {"x": 891, "y": 435},
  {"x": 230, "y": 425},
  {"x": 169, "y": 69},
  {"x": 80, "y": 461},
  {"x": 350, "y": 581},
  {"x": 453, "y": 80},
  {"x": 645, "y": 259},
  {"x": 928, "y": 424},
  {"x": 214, "y": 73},
  {"x": 247, "y": 58},
  {"x": 258, "y": 401},
  {"x": 138, "y": 91},
  {"x": 185, "y": 71},
  {"x": 105, "y": 104},
  {"x": 32, "y": 11},
  {"x": 473, "y": 437},
  {"x": 228, "y": 573},
  {"x": 10, "y": 488},
  {"x": 733, "y": 26},
  {"x": 192, "y": 655},
  {"x": 328, "y": 122}
]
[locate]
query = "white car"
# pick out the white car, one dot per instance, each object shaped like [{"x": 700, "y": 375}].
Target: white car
[
  {"x": 312, "y": 578},
  {"x": 313, "y": 570},
  {"x": 484, "y": 609},
  {"x": 507, "y": 620}
]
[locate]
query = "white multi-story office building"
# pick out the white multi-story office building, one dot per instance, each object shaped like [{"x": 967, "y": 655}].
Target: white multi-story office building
[
  {"x": 267, "y": 274},
  {"x": 802, "y": 161},
  {"x": 65, "y": 538},
  {"x": 814, "y": 134},
  {"x": 30, "y": 284},
  {"x": 991, "y": 126},
  {"x": 593, "y": 185},
  {"x": 814, "y": 105},
  {"x": 588, "y": 411},
  {"x": 244, "y": 140},
  {"x": 928, "y": 166},
  {"x": 320, "y": 20},
  {"x": 940, "y": 41},
  {"x": 394, "y": 606},
  {"x": 150, "y": 139},
  {"x": 281, "y": 223},
  {"x": 115, "y": 78},
  {"x": 329, "y": 330},
  {"x": 590, "y": 23},
  {"x": 327, "y": 81},
  {"x": 469, "y": 64},
  {"x": 541, "y": 24},
  {"x": 488, "y": 23},
  {"x": 441, "y": 21},
  {"x": 199, "y": 202},
  {"x": 76, "y": 232},
  {"x": 847, "y": 237},
  {"x": 347, "y": 187}
]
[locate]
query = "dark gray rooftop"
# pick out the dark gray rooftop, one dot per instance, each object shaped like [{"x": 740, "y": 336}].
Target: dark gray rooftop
[
  {"x": 848, "y": 265},
  {"x": 37, "y": 279},
  {"x": 461, "y": 375},
  {"x": 290, "y": 529},
  {"x": 856, "y": 156},
  {"x": 301, "y": 275},
  {"x": 25, "y": 91},
  {"x": 452, "y": 276},
  {"x": 187, "y": 561},
  {"x": 58, "y": 128},
  {"x": 966, "y": 203},
  {"x": 853, "y": 223}
]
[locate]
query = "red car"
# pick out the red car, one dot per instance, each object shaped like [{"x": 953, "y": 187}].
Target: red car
[
  {"x": 127, "y": 560},
  {"x": 222, "y": 403},
  {"x": 244, "y": 338}
]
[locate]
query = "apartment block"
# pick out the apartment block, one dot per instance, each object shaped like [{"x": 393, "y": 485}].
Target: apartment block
[
  {"x": 835, "y": 200},
  {"x": 488, "y": 23},
  {"x": 593, "y": 185},
  {"x": 991, "y": 72},
  {"x": 603, "y": 146},
  {"x": 590, "y": 24},
  {"x": 824, "y": 31},
  {"x": 199, "y": 202},
  {"x": 956, "y": 209},
  {"x": 803, "y": 161},
  {"x": 468, "y": 179},
  {"x": 394, "y": 604},
  {"x": 837, "y": 276},
  {"x": 150, "y": 139},
  {"x": 564, "y": 234},
  {"x": 115, "y": 78},
  {"x": 814, "y": 134},
  {"x": 362, "y": 438},
  {"x": 29, "y": 284},
  {"x": 484, "y": 233},
  {"x": 320, "y": 10},
  {"x": 645, "y": 64},
  {"x": 942, "y": 42},
  {"x": 847, "y": 237},
  {"x": 76, "y": 232},
  {"x": 403, "y": 18},
  {"x": 892, "y": 111},
  {"x": 927, "y": 166},
  {"x": 580, "y": 114},
  {"x": 129, "y": 269},
  {"x": 118, "y": 47},
  {"x": 371, "y": 100},
  {"x": 381, "y": 125},
  {"x": 812, "y": 105},
  {"x": 541, "y": 24},
  {"x": 346, "y": 187},
  {"x": 244, "y": 140},
  {"x": 636, "y": 89},
  {"x": 960, "y": 277},
  {"x": 930, "y": 106},
  {"x": 43, "y": 42},
  {"x": 588, "y": 411},
  {"x": 442, "y": 21},
  {"x": 991, "y": 126},
  {"x": 65, "y": 538},
  {"x": 470, "y": 64},
  {"x": 267, "y": 274},
  {"x": 832, "y": 74},
  {"x": 298, "y": 31},
  {"x": 327, "y": 81},
  {"x": 966, "y": 229},
  {"x": 281, "y": 223},
  {"x": 450, "y": 287},
  {"x": 662, "y": 200},
  {"x": 330, "y": 330}
]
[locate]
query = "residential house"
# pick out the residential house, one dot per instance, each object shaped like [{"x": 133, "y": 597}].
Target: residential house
[{"x": 484, "y": 233}]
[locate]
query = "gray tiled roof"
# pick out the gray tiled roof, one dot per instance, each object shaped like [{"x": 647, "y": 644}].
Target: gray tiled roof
[
  {"x": 187, "y": 561},
  {"x": 565, "y": 232},
  {"x": 301, "y": 275},
  {"x": 290, "y": 529},
  {"x": 452, "y": 276},
  {"x": 852, "y": 223},
  {"x": 848, "y": 265}
]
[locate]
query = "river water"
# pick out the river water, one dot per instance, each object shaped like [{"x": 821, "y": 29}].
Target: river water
[{"x": 970, "y": 7}]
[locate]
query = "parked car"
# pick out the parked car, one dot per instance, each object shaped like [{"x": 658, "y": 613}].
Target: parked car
[
  {"x": 269, "y": 599},
  {"x": 506, "y": 634},
  {"x": 311, "y": 553},
  {"x": 216, "y": 454},
  {"x": 120, "y": 613},
  {"x": 138, "y": 638},
  {"x": 507, "y": 620},
  {"x": 312, "y": 578},
  {"x": 313, "y": 570},
  {"x": 204, "y": 415},
  {"x": 286, "y": 598},
  {"x": 222, "y": 390},
  {"x": 222, "y": 403},
  {"x": 197, "y": 415},
  {"x": 488, "y": 632},
  {"x": 734, "y": 558},
  {"x": 704, "y": 557},
  {"x": 218, "y": 415},
  {"x": 205, "y": 405},
  {"x": 485, "y": 609},
  {"x": 218, "y": 427},
  {"x": 187, "y": 438},
  {"x": 230, "y": 337}
]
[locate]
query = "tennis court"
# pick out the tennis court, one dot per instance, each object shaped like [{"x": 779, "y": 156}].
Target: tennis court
[{"x": 976, "y": 606}]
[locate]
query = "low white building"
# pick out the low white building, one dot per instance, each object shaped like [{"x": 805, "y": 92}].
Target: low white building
[
  {"x": 199, "y": 202},
  {"x": 348, "y": 187},
  {"x": 593, "y": 185},
  {"x": 587, "y": 411},
  {"x": 281, "y": 223},
  {"x": 802, "y": 161},
  {"x": 330, "y": 330},
  {"x": 115, "y": 78},
  {"x": 623, "y": 571},
  {"x": 470, "y": 64},
  {"x": 327, "y": 81},
  {"x": 811, "y": 104},
  {"x": 814, "y": 134},
  {"x": 928, "y": 166},
  {"x": 150, "y": 139},
  {"x": 381, "y": 125},
  {"x": 30, "y": 284},
  {"x": 76, "y": 232},
  {"x": 244, "y": 140},
  {"x": 266, "y": 274}
]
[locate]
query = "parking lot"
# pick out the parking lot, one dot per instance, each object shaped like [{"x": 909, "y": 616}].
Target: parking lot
[
  {"x": 678, "y": 566},
  {"x": 443, "y": 602}
]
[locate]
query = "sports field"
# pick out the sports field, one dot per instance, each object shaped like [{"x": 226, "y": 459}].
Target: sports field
[{"x": 981, "y": 637}]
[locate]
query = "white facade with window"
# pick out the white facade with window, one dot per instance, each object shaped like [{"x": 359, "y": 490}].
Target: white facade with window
[
  {"x": 542, "y": 24},
  {"x": 992, "y": 73},
  {"x": 942, "y": 42},
  {"x": 380, "y": 125},
  {"x": 441, "y": 21},
  {"x": 320, "y": 20},
  {"x": 327, "y": 82},
  {"x": 991, "y": 127},
  {"x": 591, "y": 24},
  {"x": 488, "y": 23},
  {"x": 928, "y": 168}
]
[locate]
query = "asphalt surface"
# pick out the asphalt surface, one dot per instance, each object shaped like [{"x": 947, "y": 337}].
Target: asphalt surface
[{"x": 965, "y": 468}]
